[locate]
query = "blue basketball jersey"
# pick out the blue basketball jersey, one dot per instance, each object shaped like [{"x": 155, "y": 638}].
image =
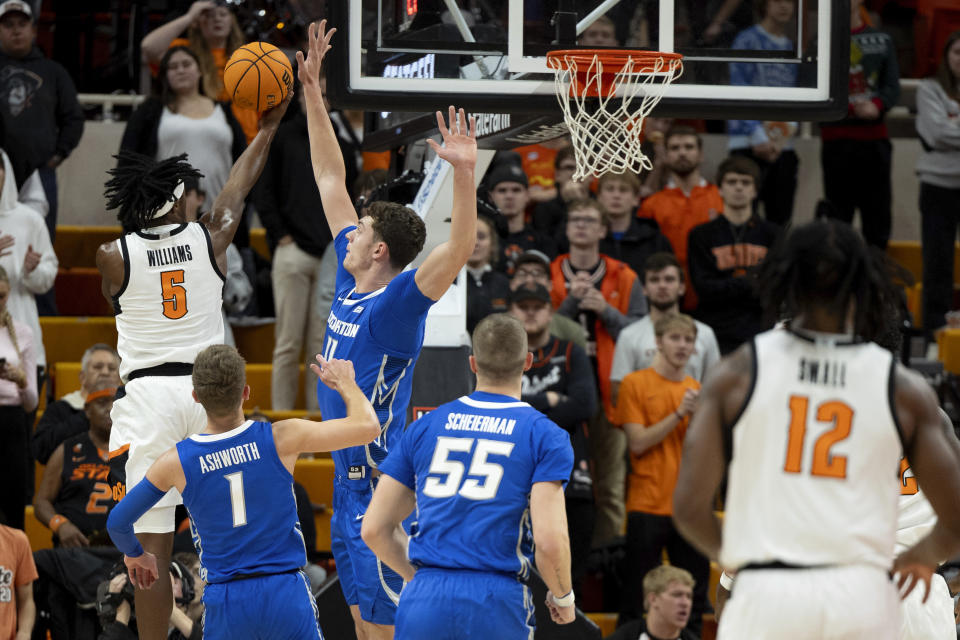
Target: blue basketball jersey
[
  {"x": 381, "y": 332},
  {"x": 472, "y": 463},
  {"x": 243, "y": 513}
]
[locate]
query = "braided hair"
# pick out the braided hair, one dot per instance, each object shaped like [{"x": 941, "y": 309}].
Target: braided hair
[
  {"x": 6, "y": 320},
  {"x": 140, "y": 185},
  {"x": 827, "y": 264}
]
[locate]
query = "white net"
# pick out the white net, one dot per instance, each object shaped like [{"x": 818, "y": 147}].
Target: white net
[{"x": 605, "y": 112}]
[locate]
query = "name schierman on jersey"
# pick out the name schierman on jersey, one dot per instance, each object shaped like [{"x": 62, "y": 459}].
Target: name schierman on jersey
[{"x": 169, "y": 255}]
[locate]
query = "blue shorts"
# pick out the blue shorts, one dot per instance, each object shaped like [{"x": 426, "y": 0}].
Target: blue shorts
[
  {"x": 365, "y": 580},
  {"x": 449, "y": 604},
  {"x": 275, "y": 606}
]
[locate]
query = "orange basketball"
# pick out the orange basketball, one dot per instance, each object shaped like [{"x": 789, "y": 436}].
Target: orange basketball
[{"x": 258, "y": 76}]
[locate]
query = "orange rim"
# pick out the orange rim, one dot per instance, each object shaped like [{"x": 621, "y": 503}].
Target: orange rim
[{"x": 613, "y": 60}]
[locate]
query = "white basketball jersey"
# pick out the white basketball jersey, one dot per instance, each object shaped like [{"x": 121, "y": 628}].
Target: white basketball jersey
[
  {"x": 168, "y": 308},
  {"x": 813, "y": 476},
  {"x": 916, "y": 515}
]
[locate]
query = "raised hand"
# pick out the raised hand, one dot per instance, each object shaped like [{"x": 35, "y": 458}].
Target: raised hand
[
  {"x": 334, "y": 373},
  {"x": 199, "y": 7},
  {"x": 459, "y": 144},
  {"x": 318, "y": 43},
  {"x": 271, "y": 119},
  {"x": 143, "y": 569}
]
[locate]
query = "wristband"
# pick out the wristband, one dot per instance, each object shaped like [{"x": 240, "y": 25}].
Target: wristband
[
  {"x": 564, "y": 601},
  {"x": 726, "y": 581},
  {"x": 56, "y": 522}
]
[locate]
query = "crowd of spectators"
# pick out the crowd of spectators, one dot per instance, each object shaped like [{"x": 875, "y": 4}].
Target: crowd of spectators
[{"x": 630, "y": 287}]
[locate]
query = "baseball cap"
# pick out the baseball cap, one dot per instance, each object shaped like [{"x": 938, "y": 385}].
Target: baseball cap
[
  {"x": 530, "y": 292},
  {"x": 16, "y": 5},
  {"x": 507, "y": 172},
  {"x": 532, "y": 255}
]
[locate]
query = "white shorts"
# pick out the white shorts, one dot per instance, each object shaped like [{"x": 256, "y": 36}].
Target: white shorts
[
  {"x": 932, "y": 620},
  {"x": 153, "y": 415},
  {"x": 834, "y": 603}
]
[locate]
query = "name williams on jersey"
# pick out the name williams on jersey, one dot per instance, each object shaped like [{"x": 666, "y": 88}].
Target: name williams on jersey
[{"x": 169, "y": 255}]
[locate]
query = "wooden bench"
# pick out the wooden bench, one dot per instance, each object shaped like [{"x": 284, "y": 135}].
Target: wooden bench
[{"x": 66, "y": 338}]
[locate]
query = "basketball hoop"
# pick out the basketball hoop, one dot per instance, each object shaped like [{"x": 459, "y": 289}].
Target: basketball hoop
[{"x": 605, "y": 95}]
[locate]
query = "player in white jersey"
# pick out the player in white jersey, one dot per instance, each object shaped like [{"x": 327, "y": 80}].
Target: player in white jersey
[
  {"x": 164, "y": 277},
  {"x": 812, "y": 422}
]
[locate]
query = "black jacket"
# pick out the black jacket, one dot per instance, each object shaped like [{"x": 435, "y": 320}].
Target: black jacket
[
  {"x": 723, "y": 261},
  {"x": 491, "y": 294},
  {"x": 641, "y": 240},
  {"x": 59, "y": 422},
  {"x": 563, "y": 367},
  {"x": 140, "y": 134},
  {"x": 40, "y": 113},
  {"x": 632, "y": 631},
  {"x": 287, "y": 197},
  {"x": 513, "y": 245}
]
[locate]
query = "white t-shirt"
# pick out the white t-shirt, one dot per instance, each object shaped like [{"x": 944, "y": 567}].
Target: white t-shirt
[{"x": 637, "y": 346}]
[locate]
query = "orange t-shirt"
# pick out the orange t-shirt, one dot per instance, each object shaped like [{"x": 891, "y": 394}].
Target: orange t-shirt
[
  {"x": 538, "y": 164},
  {"x": 646, "y": 398},
  {"x": 16, "y": 570},
  {"x": 677, "y": 214}
]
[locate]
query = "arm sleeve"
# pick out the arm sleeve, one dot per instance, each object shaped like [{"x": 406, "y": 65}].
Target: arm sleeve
[
  {"x": 580, "y": 401},
  {"x": 711, "y": 284},
  {"x": 553, "y": 453},
  {"x": 401, "y": 310},
  {"x": 398, "y": 463},
  {"x": 69, "y": 114},
  {"x": 58, "y": 423},
  {"x": 934, "y": 124},
  {"x": 137, "y": 502},
  {"x": 41, "y": 278},
  {"x": 570, "y": 307}
]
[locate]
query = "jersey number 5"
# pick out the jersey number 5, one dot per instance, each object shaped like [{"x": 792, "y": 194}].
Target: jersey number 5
[
  {"x": 824, "y": 464},
  {"x": 472, "y": 489},
  {"x": 174, "y": 294}
]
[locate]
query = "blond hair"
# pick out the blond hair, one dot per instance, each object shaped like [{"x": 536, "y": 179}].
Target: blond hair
[
  {"x": 219, "y": 376},
  {"x": 674, "y": 321},
  {"x": 500, "y": 348},
  {"x": 7, "y": 320},
  {"x": 658, "y": 580},
  {"x": 212, "y": 74}
]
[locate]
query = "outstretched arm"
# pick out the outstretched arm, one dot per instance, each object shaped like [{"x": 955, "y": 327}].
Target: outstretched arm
[
  {"x": 295, "y": 436},
  {"x": 392, "y": 502},
  {"x": 224, "y": 218},
  {"x": 155, "y": 43},
  {"x": 328, "y": 167},
  {"x": 441, "y": 267}
]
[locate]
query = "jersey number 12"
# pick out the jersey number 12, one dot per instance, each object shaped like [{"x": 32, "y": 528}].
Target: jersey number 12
[
  {"x": 824, "y": 464},
  {"x": 472, "y": 489}
]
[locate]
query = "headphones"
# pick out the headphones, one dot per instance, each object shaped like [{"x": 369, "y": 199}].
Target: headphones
[{"x": 187, "y": 589}]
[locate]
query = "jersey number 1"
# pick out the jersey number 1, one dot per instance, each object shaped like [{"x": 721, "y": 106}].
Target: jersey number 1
[
  {"x": 174, "y": 294},
  {"x": 238, "y": 503},
  {"x": 825, "y": 465}
]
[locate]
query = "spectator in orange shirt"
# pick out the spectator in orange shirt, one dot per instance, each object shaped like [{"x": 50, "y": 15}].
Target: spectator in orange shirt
[
  {"x": 604, "y": 295},
  {"x": 654, "y": 408},
  {"x": 17, "y": 573},
  {"x": 213, "y": 33},
  {"x": 688, "y": 199}
]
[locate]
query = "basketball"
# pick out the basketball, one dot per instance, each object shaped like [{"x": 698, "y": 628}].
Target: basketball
[{"x": 258, "y": 76}]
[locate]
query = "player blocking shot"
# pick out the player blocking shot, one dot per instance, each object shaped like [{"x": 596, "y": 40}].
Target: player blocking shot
[
  {"x": 164, "y": 278},
  {"x": 812, "y": 422},
  {"x": 377, "y": 321},
  {"x": 486, "y": 474},
  {"x": 236, "y": 479}
]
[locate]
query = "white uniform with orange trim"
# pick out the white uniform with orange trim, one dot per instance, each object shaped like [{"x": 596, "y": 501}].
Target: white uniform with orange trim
[
  {"x": 811, "y": 506},
  {"x": 168, "y": 309},
  {"x": 934, "y": 619}
]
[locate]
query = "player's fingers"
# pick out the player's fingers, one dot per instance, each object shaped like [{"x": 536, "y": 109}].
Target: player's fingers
[
  {"x": 454, "y": 122},
  {"x": 442, "y": 125},
  {"x": 462, "y": 127},
  {"x": 473, "y": 126},
  {"x": 433, "y": 145}
]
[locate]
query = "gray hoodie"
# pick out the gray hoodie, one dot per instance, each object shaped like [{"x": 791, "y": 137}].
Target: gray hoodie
[{"x": 938, "y": 123}]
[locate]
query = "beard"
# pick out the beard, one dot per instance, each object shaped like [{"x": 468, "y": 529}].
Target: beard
[
  {"x": 665, "y": 305},
  {"x": 683, "y": 168}
]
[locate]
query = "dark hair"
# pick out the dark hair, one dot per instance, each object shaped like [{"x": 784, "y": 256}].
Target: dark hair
[
  {"x": 944, "y": 76},
  {"x": 167, "y": 96},
  {"x": 660, "y": 261},
  {"x": 500, "y": 347},
  {"x": 827, "y": 264},
  {"x": 400, "y": 228},
  {"x": 740, "y": 165},
  {"x": 563, "y": 154},
  {"x": 140, "y": 185},
  {"x": 682, "y": 130},
  {"x": 219, "y": 376}
]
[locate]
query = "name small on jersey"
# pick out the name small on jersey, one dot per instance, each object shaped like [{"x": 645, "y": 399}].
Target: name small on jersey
[
  {"x": 476, "y": 422},
  {"x": 228, "y": 457},
  {"x": 169, "y": 255},
  {"x": 825, "y": 372}
]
